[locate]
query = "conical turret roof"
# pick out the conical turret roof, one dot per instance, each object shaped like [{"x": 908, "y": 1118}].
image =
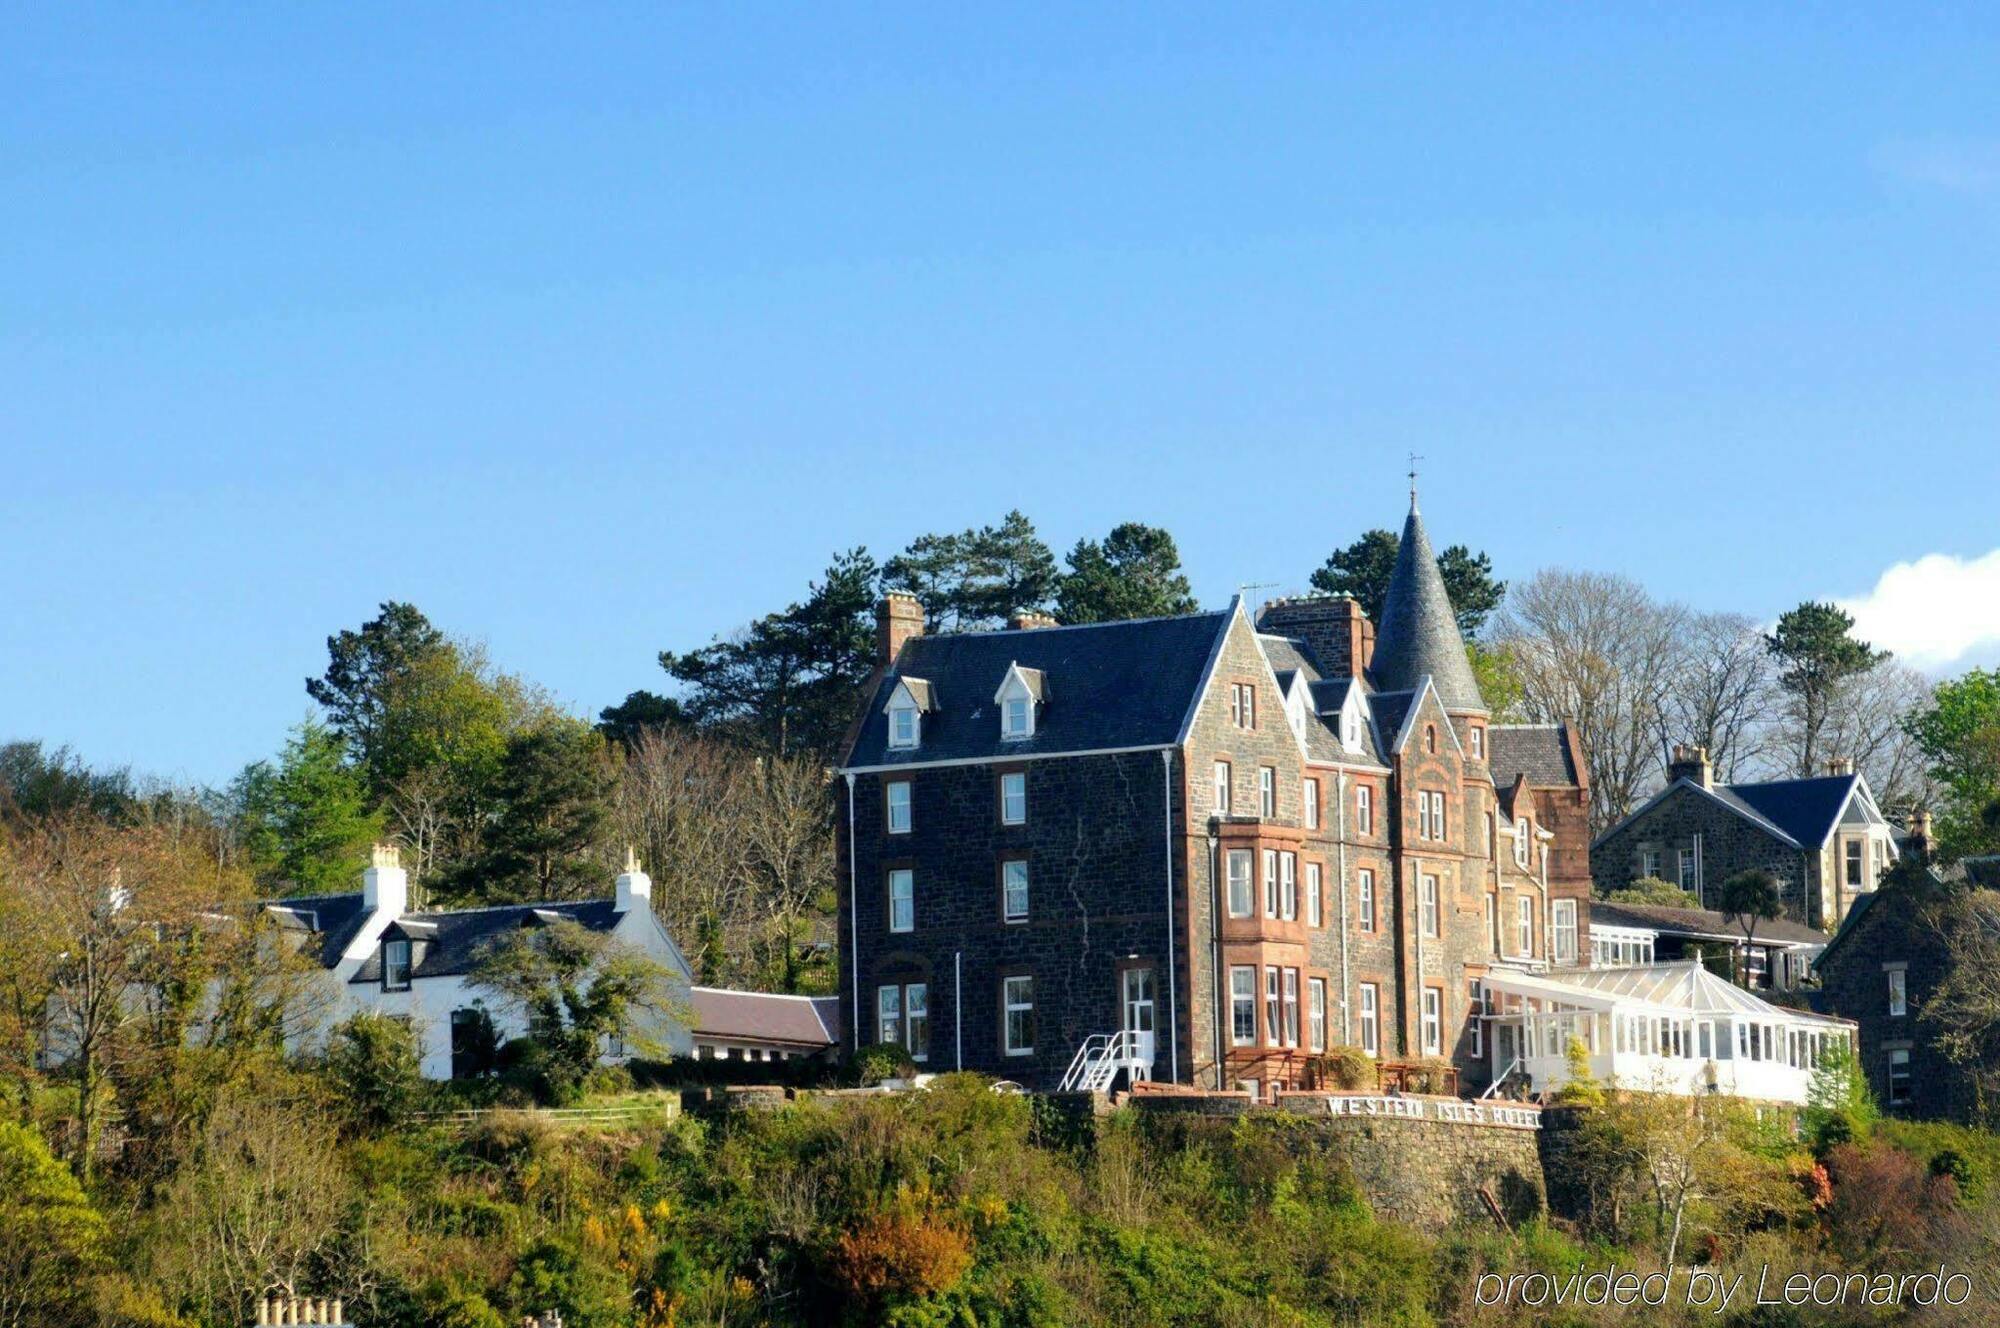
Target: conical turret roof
[{"x": 1418, "y": 634}]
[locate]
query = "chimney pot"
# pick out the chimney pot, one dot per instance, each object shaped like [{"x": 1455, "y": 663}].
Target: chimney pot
[
  {"x": 1840, "y": 765},
  {"x": 1029, "y": 619},
  {"x": 1691, "y": 763}
]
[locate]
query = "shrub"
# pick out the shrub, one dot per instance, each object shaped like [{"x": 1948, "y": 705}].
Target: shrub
[
  {"x": 1580, "y": 1087},
  {"x": 1348, "y": 1070},
  {"x": 1840, "y": 1109},
  {"x": 373, "y": 1059},
  {"x": 884, "y": 1060},
  {"x": 902, "y": 1255},
  {"x": 1652, "y": 890},
  {"x": 1432, "y": 1074}
]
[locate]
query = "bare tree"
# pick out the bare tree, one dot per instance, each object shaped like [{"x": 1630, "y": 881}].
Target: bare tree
[
  {"x": 790, "y": 855},
  {"x": 1722, "y": 693},
  {"x": 1864, "y": 722},
  {"x": 1596, "y": 651}
]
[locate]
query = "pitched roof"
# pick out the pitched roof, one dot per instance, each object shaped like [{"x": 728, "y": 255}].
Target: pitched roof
[
  {"x": 1805, "y": 809},
  {"x": 1685, "y": 986},
  {"x": 332, "y": 919},
  {"x": 1418, "y": 635},
  {"x": 1111, "y": 685},
  {"x": 756, "y": 1016},
  {"x": 1539, "y": 751},
  {"x": 1700, "y": 922},
  {"x": 451, "y": 942},
  {"x": 1289, "y": 658}
]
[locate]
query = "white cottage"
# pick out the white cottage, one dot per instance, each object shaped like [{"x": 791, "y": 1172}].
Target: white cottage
[
  {"x": 380, "y": 957},
  {"x": 1668, "y": 1028}
]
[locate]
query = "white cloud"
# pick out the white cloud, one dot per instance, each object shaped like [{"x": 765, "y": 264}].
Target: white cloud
[
  {"x": 1932, "y": 612},
  {"x": 1958, "y": 165}
]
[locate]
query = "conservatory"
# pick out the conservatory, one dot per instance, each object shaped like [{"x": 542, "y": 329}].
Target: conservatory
[{"x": 1669, "y": 1028}]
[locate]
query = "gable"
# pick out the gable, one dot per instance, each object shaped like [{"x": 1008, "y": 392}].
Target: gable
[{"x": 1713, "y": 799}]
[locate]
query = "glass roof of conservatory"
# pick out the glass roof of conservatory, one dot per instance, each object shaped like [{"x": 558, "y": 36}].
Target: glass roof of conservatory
[{"x": 1682, "y": 988}]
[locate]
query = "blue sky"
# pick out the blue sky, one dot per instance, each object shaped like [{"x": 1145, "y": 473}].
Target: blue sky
[{"x": 595, "y": 331}]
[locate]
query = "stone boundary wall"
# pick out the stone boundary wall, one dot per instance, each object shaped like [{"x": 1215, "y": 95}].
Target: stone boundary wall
[{"x": 1420, "y": 1160}]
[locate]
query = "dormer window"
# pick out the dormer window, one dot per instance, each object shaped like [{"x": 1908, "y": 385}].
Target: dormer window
[
  {"x": 904, "y": 728},
  {"x": 1520, "y": 841},
  {"x": 396, "y": 964},
  {"x": 1021, "y": 694},
  {"x": 905, "y": 709}
]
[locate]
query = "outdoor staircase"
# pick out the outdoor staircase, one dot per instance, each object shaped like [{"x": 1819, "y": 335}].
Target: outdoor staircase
[{"x": 1098, "y": 1060}]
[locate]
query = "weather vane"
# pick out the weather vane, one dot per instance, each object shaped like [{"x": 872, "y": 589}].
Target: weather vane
[{"x": 1414, "y": 459}]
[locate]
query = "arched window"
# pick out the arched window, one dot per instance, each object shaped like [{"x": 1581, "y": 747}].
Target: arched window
[{"x": 1430, "y": 737}]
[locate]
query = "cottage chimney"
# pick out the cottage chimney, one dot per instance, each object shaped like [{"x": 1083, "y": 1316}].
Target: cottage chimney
[
  {"x": 385, "y": 886},
  {"x": 897, "y": 618},
  {"x": 281, "y": 1311},
  {"x": 1840, "y": 765},
  {"x": 1690, "y": 763},
  {"x": 1918, "y": 840},
  {"x": 1024, "y": 620},
  {"x": 635, "y": 888}
]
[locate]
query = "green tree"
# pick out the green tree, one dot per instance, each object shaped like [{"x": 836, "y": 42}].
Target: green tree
[
  {"x": 362, "y": 672},
  {"x": 1959, "y": 735},
  {"x": 1750, "y": 897},
  {"x": 54, "y": 1241},
  {"x": 306, "y": 820},
  {"x": 787, "y": 681},
  {"x": 575, "y": 988},
  {"x": 551, "y": 795},
  {"x": 375, "y": 1067},
  {"x": 1839, "y": 1107},
  {"x": 1653, "y": 890},
  {"x": 1363, "y": 568},
  {"x": 36, "y": 784},
  {"x": 1816, "y": 653},
  {"x": 640, "y": 712},
  {"x": 1134, "y": 573},
  {"x": 975, "y": 579}
]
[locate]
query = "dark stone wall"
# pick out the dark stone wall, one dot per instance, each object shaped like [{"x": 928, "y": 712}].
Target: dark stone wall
[
  {"x": 1730, "y": 843},
  {"x": 1854, "y": 984}
]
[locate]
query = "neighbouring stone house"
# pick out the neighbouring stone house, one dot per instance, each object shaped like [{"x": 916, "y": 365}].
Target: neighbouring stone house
[
  {"x": 1778, "y": 956},
  {"x": 1210, "y": 846},
  {"x": 375, "y": 954},
  {"x": 1823, "y": 838}
]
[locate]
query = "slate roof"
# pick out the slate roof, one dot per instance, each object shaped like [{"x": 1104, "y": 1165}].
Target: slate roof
[
  {"x": 331, "y": 919},
  {"x": 450, "y": 943},
  {"x": 1289, "y": 658},
  {"x": 755, "y": 1016},
  {"x": 1539, "y": 751},
  {"x": 1122, "y": 684},
  {"x": 1418, "y": 635},
  {"x": 1390, "y": 710},
  {"x": 1805, "y": 809},
  {"x": 1700, "y": 922}
]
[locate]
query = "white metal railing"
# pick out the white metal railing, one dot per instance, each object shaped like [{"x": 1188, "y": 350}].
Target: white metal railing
[
  {"x": 1500, "y": 1080},
  {"x": 1098, "y": 1060}
]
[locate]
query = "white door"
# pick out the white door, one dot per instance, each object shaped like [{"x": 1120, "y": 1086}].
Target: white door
[{"x": 1139, "y": 1016}]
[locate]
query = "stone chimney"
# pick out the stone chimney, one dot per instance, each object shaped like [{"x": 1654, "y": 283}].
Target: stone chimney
[
  {"x": 1690, "y": 763},
  {"x": 1840, "y": 765},
  {"x": 273, "y": 1310},
  {"x": 897, "y": 618},
  {"x": 635, "y": 888},
  {"x": 1024, "y": 620},
  {"x": 1333, "y": 627},
  {"x": 1918, "y": 839},
  {"x": 385, "y": 886}
]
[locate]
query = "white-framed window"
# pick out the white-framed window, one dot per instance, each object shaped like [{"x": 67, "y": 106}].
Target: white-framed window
[
  {"x": 1291, "y": 1008},
  {"x": 1427, "y": 903},
  {"x": 1650, "y": 863},
  {"x": 1478, "y": 743},
  {"x": 1524, "y": 930},
  {"x": 889, "y": 1015},
  {"x": 1270, "y": 883},
  {"x": 916, "y": 1021},
  {"x": 1241, "y": 892},
  {"x": 1288, "y": 885},
  {"x": 898, "y": 803},
  {"x": 902, "y": 899},
  {"x": 1222, "y": 788},
  {"x": 1562, "y": 922},
  {"x": 1309, "y": 800},
  {"x": 1364, "y": 902},
  {"x": 1430, "y": 737},
  {"x": 1371, "y": 1019},
  {"x": 1014, "y": 889},
  {"x": 1686, "y": 863},
  {"x": 396, "y": 964},
  {"x": 1243, "y": 705},
  {"x": 1243, "y": 1005},
  {"x": 1520, "y": 841},
  {"x": 1364, "y": 809},
  {"x": 1315, "y": 896},
  {"x": 1350, "y": 729},
  {"x": 1316, "y": 1014},
  {"x": 1272, "y": 1026},
  {"x": 1267, "y": 791},
  {"x": 1899, "y": 1077},
  {"x": 1899, "y": 994},
  {"x": 1017, "y": 1010},
  {"x": 1492, "y": 926},
  {"x": 1017, "y": 718},
  {"x": 1475, "y": 1027},
  {"x": 1433, "y": 1021},
  {"x": 1014, "y": 797},
  {"x": 1430, "y": 815},
  {"x": 905, "y": 726},
  {"x": 1856, "y": 857}
]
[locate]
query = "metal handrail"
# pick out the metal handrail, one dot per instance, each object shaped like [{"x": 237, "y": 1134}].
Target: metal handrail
[
  {"x": 1097, "y": 1051},
  {"x": 1500, "y": 1079}
]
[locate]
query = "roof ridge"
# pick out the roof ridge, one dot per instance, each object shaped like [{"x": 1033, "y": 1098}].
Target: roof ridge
[
  {"x": 770, "y": 995},
  {"x": 499, "y": 908},
  {"x": 1069, "y": 627}
]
